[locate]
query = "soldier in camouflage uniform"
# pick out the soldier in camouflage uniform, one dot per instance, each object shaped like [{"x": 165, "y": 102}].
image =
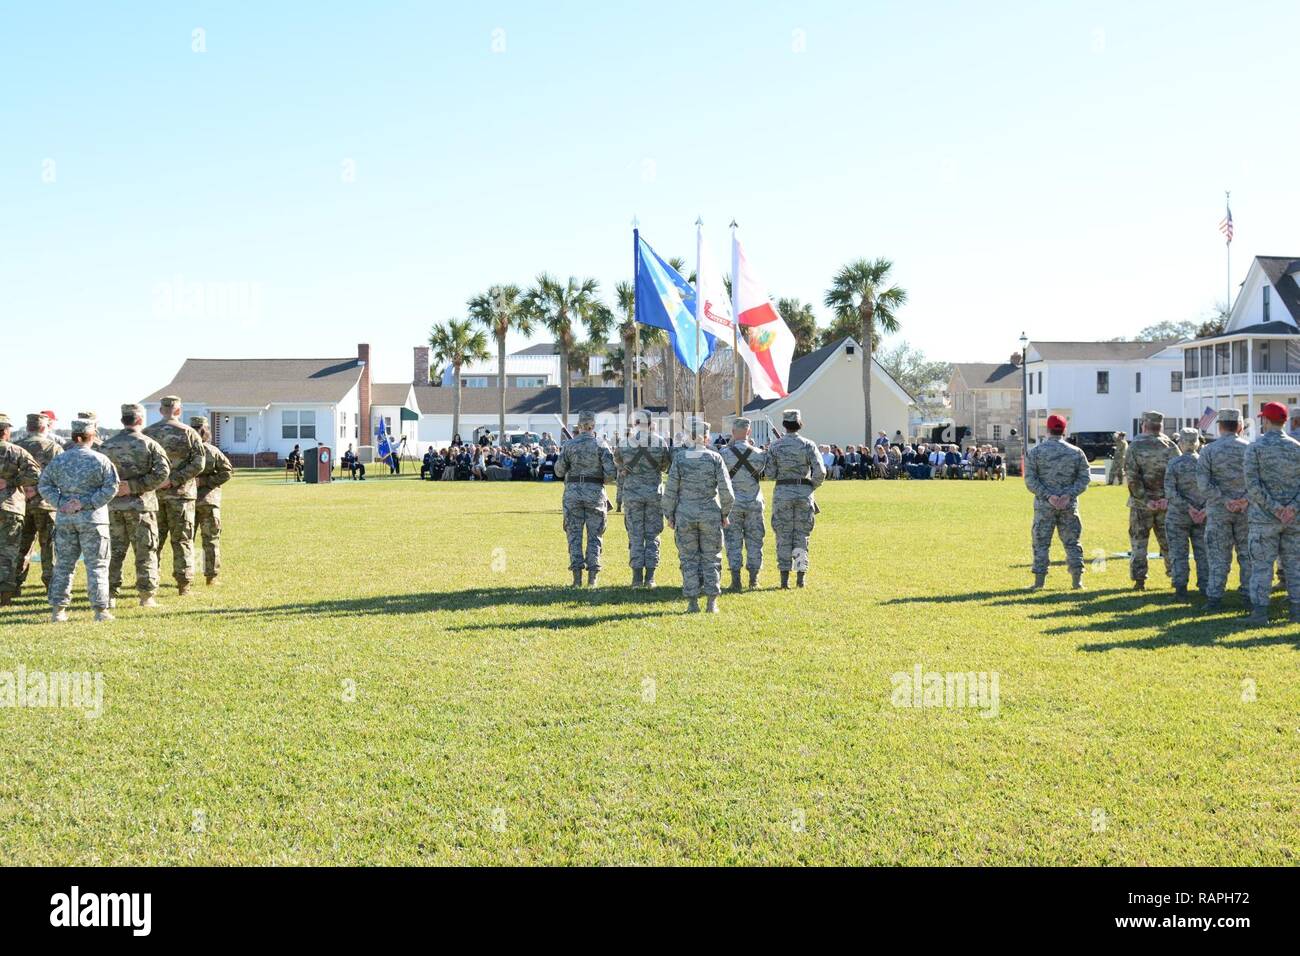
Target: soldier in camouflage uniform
[
  {"x": 1272, "y": 469},
  {"x": 1056, "y": 473},
  {"x": 19, "y": 474},
  {"x": 38, "y": 526},
  {"x": 176, "y": 495},
  {"x": 641, "y": 459},
  {"x": 80, "y": 483},
  {"x": 1221, "y": 477},
  {"x": 1144, "y": 470},
  {"x": 745, "y": 463},
  {"x": 586, "y": 465},
  {"x": 207, "y": 508},
  {"x": 697, "y": 502},
  {"x": 1185, "y": 517},
  {"x": 1116, "y": 476},
  {"x": 799, "y": 470},
  {"x": 142, "y": 468},
  {"x": 94, "y": 420}
]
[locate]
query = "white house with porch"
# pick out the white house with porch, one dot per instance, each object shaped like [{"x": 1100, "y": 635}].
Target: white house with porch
[{"x": 1256, "y": 359}]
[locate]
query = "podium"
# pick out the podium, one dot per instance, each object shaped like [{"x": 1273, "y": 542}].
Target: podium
[{"x": 318, "y": 465}]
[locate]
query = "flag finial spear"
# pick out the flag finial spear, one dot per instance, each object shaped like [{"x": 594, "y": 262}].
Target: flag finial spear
[
  {"x": 699, "y": 220},
  {"x": 635, "y": 221},
  {"x": 733, "y": 225}
]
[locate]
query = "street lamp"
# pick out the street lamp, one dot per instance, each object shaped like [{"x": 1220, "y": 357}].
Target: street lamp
[{"x": 1024, "y": 390}]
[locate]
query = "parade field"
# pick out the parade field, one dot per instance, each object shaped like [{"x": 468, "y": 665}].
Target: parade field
[{"x": 394, "y": 673}]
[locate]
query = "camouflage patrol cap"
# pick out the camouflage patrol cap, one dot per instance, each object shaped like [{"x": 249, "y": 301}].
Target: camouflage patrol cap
[
  {"x": 1153, "y": 418},
  {"x": 792, "y": 415},
  {"x": 4, "y": 421},
  {"x": 36, "y": 420},
  {"x": 697, "y": 427},
  {"x": 1229, "y": 415},
  {"x": 170, "y": 401},
  {"x": 586, "y": 418},
  {"x": 1189, "y": 437},
  {"x": 131, "y": 410},
  {"x": 82, "y": 425},
  {"x": 88, "y": 416},
  {"x": 740, "y": 424},
  {"x": 198, "y": 421}
]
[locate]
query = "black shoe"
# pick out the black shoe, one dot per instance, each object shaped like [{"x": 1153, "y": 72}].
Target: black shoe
[
  {"x": 735, "y": 580},
  {"x": 1213, "y": 604},
  {"x": 799, "y": 578},
  {"x": 1140, "y": 584},
  {"x": 753, "y": 580},
  {"x": 1039, "y": 581},
  {"x": 637, "y": 574},
  {"x": 785, "y": 580},
  {"x": 1258, "y": 615},
  {"x": 1181, "y": 592},
  {"x": 577, "y": 579}
]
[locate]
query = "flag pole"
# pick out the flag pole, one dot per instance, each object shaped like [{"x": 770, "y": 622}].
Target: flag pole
[
  {"x": 1227, "y": 202},
  {"x": 636, "y": 332},
  {"x": 699, "y": 307},
  {"x": 735, "y": 325}
]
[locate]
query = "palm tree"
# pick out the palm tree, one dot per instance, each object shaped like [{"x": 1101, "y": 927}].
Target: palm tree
[
  {"x": 456, "y": 342},
  {"x": 802, "y": 322},
  {"x": 499, "y": 310},
  {"x": 861, "y": 289},
  {"x": 617, "y": 363},
  {"x": 558, "y": 305},
  {"x": 625, "y": 301}
]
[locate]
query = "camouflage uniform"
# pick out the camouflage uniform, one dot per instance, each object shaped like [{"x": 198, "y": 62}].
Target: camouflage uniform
[
  {"x": 185, "y": 453},
  {"x": 799, "y": 470},
  {"x": 133, "y": 519},
  {"x": 1116, "y": 476},
  {"x": 586, "y": 465},
  {"x": 1055, "y": 467},
  {"x": 1272, "y": 472},
  {"x": 745, "y": 463},
  {"x": 19, "y": 470},
  {"x": 642, "y": 460},
  {"x": 216, "y": 472},
  {"x": 697, "y": 497},
  {"x": 1144, "y": 468},
  {"x": 80, "y": 474},
  {"x": 38, "y": 526},
  {"x": 1182, "y": 490},
  {"x": 1221, "y": 476}
]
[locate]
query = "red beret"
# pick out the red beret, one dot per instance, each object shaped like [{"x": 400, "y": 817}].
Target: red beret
[
  {"x": 1274, "y": 411},
  {"x": 1056, "y": 423}
]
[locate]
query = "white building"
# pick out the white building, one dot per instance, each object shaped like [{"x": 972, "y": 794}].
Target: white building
[
  {"x": 527, "y": 410},
  {"x": 533, "y": 367},
  {"x": 1104, "y": 386},
  {"x": 826, "y": 386},
  {"x": 1257, "y": 357}
]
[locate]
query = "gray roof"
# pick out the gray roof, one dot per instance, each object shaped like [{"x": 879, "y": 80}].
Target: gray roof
[
  {"x": 1103, "y": 351},
  {"x": 389, "y": 393},
  {"x": 550, "y": 348},
  {"x": 1259, "y": 328},
  {"x": 1282, "y": 271},
  {"x": 988, "y": 375},
  {"x": 255, "y": 383},
  {"x": 519, "y": 401}
]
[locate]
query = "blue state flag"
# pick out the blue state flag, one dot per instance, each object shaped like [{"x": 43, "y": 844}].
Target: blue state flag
[
  {"x": 382, "y": 446},
  {"x": 665, "y": 300}
]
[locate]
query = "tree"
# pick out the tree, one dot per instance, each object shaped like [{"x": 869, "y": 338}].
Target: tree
[
  {"x": 916, "y": 373},
  {"x": 558, "y": 305},
  {"x": 456, "y": 342},
  {"x": 1217, "y": 323},
  {"x": 803, "y": 324},
  {"x": 1164, "y": 331},
  {"x": 861, "y": 289},
  {"x": 625, "y": 302},
  {"x": 499, "y": 310}
]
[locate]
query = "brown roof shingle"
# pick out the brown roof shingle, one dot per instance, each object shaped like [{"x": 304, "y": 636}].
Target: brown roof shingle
[{"x": 255, "y": 383}]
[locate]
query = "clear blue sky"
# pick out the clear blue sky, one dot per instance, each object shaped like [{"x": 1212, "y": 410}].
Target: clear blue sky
[{"x": 1052, "y": 167}]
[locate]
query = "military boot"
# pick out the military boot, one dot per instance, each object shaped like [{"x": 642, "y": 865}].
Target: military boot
[
  {"x": 785, "y": 580},
  {"x": 1258, "y": 615},
  {"x": 1076, "y": 580},
  {"x": 799, "y": 578},
  {"x": 214, "y": 582},
  {"x": 1212, "y": 604},
  {"x": 148, "y": 600},
  {"x": 592, "y": 577},
  {"x": 1180, "y": 592},
  {"x": 753, "y": 580},
  {"x": 6, "y": 599},
  {"x": 59, "y": 615},
  {"x": 577, "y": 579},
  {"x": 711, "y": 606},
  {"x": 1295, "y": 613},
  {"x": 649, "y": 578},
  {"x": 692, "y": 605},
  {"x": 1139, "y": 584},
  {"x": 636, "y": 576},
  {"x": 735, "y": 580},
  {"x": 103, "y": 615},
  {"x": 182, "y": 588},
  {"x": 1039, "y": 581}
]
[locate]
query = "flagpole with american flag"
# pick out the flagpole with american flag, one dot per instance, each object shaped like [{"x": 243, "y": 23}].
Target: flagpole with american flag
[{"x": 1225, "y": 227}]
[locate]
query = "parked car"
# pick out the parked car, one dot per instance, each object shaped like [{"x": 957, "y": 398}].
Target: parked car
[{"x": 1094, "y": 444}]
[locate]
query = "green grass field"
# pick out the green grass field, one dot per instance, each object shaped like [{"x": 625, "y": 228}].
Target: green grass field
[{"x": 394, "y": 674}]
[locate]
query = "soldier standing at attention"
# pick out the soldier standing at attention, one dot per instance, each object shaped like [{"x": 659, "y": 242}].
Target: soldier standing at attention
[
  {"x": 38, "y": 527},
  {"x": 80, "y": 483},
  {"x": 1185, "y": 518},
  {"x": 1056, "y": 473},
  {"x": 1144, "y": 469},
  {"x": 1116, "y": 476},
  {"x": 799, "y": 470},
  {"x": 642, "y": 460},
  {"x": 745, "y": 464},
  {"x": 94, "y": 420},
  {"x": 19, "y": 474},
  {"x": 585, "y": 464},
  {"x": 142, "y": 467},
  {"x": 1273, "y": 486},
  {"x": 697, "y": 501},
  {"x": 176, "y": 495},
  {"x": 217, "y": 470},
  {"x": 1221, "y": 476}
]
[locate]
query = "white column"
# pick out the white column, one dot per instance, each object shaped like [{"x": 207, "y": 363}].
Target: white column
[{"x": 1250, "y": 376}]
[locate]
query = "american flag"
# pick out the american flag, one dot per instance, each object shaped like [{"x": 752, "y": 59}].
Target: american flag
[
  {"x": 1209, "y": 416},
  {"x": 1225, "y": 225}
]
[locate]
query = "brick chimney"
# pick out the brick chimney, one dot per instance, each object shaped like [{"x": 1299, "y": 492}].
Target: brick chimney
[
  {"x": 363, "y": 359},
  {"x": 1015, "y": 359},
  {"x": 421, "y": 374}
]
